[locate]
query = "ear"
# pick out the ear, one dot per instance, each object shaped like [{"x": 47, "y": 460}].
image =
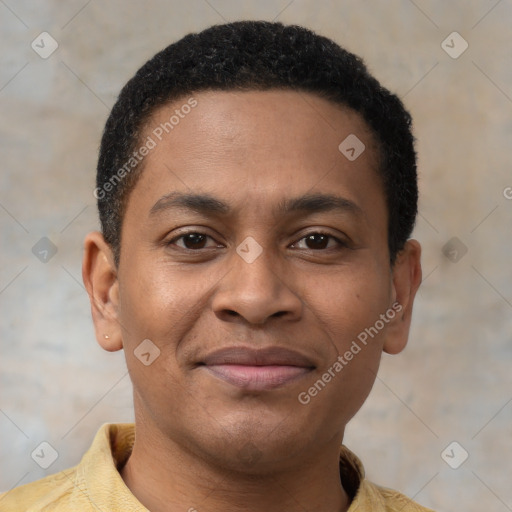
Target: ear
[
  {"x": 406, "y": 277},
  {"x": 99, "y": 273}
]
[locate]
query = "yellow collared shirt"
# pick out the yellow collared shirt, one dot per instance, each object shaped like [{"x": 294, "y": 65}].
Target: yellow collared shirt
[{"x": 95, "y": 485}]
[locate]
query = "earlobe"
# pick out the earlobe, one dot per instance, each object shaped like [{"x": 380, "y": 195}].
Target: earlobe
[
  {"x": 99, "y": 274},
  {"x": 406, "y": 281}
]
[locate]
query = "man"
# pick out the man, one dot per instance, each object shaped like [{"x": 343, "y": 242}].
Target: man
[{"x": 257, "y": 190}]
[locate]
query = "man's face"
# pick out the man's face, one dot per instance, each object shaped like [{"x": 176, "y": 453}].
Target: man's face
[{"x": 262, "y": 270}]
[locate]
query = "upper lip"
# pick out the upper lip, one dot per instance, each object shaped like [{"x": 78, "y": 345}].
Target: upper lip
[{"x": 248, "y": 356}]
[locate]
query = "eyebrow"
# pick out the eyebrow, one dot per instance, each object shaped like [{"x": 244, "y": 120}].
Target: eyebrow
[{"x": 208, "y": 205}]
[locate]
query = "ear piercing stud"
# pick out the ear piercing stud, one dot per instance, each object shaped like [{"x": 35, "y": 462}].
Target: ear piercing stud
[{"x": 107, "y": 337}]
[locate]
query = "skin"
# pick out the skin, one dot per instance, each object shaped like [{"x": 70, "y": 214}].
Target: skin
[{"x": 201, "y": 441}]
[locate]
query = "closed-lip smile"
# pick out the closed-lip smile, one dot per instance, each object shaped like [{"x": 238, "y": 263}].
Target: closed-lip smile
[{"x": 257, "y": 369}]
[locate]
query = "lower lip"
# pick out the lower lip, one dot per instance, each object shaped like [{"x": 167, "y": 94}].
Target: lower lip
[{"x": 257, "y": 377}]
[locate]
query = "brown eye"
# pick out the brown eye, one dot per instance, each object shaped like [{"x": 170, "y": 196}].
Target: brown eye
[
  {"x": 191, "y": 241},
  {"x": 194, "y": 241},
  {"x": 318, "y": 241}
]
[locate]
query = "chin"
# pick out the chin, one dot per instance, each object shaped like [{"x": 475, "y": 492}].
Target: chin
[{"x": 253, "y": 448}]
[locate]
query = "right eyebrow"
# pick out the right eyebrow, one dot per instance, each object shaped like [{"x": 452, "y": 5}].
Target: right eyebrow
[{"x": 201, "y": 203}]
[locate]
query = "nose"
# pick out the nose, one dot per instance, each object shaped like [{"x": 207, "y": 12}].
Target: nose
[{"x": 256, "y": 292}]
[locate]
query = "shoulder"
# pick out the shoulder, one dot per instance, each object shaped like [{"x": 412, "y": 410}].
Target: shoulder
[
  {"x": 388, "y": 500},
  {"x": 94, "y": 484},
  {"x": 50, "y": 493},
  {"x": 366, "y": 494}
]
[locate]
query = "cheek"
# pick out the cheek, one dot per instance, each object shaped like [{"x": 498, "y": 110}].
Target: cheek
[
  {"x": 355, "y": 307},
  {"x": 352, "y": 318},
  {"x": 352, "y": 300},
  {"x": 151, "y": 300},
  {"x": 153, "y": 322},
  {"x": 161, "y": 303}
]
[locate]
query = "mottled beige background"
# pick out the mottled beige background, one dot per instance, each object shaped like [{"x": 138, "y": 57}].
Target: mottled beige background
[{"x": 453, "y": 382}]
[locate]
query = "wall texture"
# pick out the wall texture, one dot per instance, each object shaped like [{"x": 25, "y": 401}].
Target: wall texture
[{"x": 452, "y": 384}]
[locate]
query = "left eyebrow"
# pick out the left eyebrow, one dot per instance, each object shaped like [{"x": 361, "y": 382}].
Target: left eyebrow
[
  {"x": 317, "y": 203},
  {"x": 209, "y": 205}
]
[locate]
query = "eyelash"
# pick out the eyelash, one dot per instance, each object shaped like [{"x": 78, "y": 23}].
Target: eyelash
[{"x": 340, "y": 243}]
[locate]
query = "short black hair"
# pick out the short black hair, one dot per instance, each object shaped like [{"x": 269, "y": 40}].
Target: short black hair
[{"x": 257, "y": 55}]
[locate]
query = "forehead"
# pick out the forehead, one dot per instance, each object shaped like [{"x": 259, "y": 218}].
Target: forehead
[
  {"x": 258, "y": 146},
  {"x": 251, "y": 120}
]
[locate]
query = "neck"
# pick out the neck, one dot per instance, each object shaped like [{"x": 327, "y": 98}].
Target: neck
[{"x": 165, "y": 476}]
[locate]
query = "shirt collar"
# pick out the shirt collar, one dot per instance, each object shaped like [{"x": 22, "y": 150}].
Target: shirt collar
[{"x": 98, "y": 472}]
